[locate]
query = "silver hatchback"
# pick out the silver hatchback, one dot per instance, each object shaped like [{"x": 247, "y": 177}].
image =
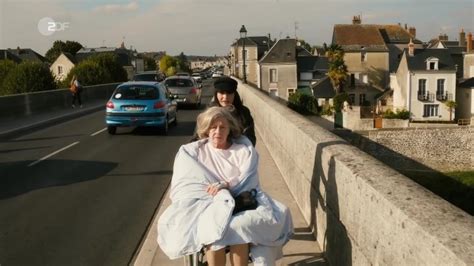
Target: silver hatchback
[{"x": 185, "y": 90}]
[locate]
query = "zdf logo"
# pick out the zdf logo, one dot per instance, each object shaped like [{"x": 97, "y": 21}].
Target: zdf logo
[{"x": 47, "y": 26}]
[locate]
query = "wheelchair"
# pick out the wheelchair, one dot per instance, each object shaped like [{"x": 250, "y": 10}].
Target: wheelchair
[{"x": 199, "y": 258}]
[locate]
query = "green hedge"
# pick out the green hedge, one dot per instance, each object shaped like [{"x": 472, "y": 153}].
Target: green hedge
[
  {"x": 27, "y": 76},
  {"x": 303, "y": 103},
  {"x": 398, "y": 114}
]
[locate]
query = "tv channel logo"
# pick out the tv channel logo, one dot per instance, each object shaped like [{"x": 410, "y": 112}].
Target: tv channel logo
[{"x": 47, "y": 26}]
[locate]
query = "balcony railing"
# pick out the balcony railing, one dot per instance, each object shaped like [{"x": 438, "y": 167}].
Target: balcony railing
[
  {"x": 426, "y": 97},
  {"x": 444, "y": 96}
]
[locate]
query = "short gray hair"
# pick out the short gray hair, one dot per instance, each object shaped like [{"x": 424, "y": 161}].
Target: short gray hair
[{"x": 206, "y": 118}]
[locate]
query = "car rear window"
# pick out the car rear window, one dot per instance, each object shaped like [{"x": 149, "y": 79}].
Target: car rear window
[
  {"x": 145, "y": 77},
  {"x": 136, "y": 93},
  {"x": 179, "y": 83}
]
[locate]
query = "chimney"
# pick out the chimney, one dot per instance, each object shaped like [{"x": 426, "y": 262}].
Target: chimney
[
  {"x": 412, "y": 31},
  {"x": 462, "y": 38},
  {"x": 443, "y": 37},
  {"x": 411, "y": 48},
  {"x": 406, "y": 27},
  {"x": 469, "y": 42},
  {"x": 356, "y": 20}
]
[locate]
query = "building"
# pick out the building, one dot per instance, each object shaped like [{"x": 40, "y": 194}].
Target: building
[
  {"x": 255, "y": 48},
  {"x": 62, "y": 66},
  {"x": 372, "y": 51},
  {"x": 425, "y": 79}
]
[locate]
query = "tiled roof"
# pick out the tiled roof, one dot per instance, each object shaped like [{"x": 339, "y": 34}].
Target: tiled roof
[
  {"x": 418, "y": 61},
  {"x": 371, "y": 37},
  {"x": 468, "y": 83},
  {"x": 355, "y": 37},
  {"x": 5, "y": 54},
  {"x": 284, "y": 51},
  {"x": 300, "y": 51},
  {"x": 312, "y": 63},
  {"x": 27, "y": 54},
  {"x": 396, "y": 34},
  {"x": 323, "y": 89}
]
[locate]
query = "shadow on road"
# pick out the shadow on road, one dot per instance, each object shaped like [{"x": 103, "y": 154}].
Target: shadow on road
[{"x": 17, "y": 178}]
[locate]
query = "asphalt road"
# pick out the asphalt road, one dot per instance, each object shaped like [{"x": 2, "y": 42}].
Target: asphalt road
[{"x": 71, "y": 194}]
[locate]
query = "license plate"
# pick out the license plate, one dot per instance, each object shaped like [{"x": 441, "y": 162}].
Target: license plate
[{"x": 134, "y": 108}]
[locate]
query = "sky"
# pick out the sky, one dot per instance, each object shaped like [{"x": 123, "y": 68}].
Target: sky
[{"x": 208, "y": 27}]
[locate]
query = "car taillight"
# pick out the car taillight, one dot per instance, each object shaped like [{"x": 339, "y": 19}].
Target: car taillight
[
  {"x": 110, "y": 105},
  {"x": 194, "y": 90},
  {"x": 159, "y": 105}
]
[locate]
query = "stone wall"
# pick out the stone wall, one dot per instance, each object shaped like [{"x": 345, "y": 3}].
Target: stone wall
[
  {"x": 26, "y": 104},
  {"x": 362, "y": 212},
  {"x": 443, "y": 149}
]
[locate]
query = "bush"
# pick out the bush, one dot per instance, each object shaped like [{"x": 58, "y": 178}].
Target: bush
[
  {"x": 399, "y": 114},
  {"x": 98, "y": 69},
  {"x": 5, "y": 67},
  {"x": 303, "y": 103},
  {"x": 26, "y": 77},
  {"x": 327, "y": 110}
]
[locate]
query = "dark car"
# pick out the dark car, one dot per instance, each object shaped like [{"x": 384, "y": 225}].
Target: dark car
[
  {"x": 139, "y": 103},
  {"x": 148, "y": 76}
]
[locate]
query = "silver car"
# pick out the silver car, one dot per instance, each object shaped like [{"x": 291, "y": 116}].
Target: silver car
[{"x": 185, "y": 90}]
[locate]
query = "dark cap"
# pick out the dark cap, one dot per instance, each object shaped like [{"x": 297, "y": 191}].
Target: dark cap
[{"x": 225, "y": 84}]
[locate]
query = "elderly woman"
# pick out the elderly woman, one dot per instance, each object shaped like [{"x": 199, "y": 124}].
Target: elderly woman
[
  {"x": 208, "y": 174},
  {"x": 226, "y": 95}
]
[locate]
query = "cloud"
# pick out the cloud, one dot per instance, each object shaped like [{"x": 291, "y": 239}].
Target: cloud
[{"x": 117, "y": 8}]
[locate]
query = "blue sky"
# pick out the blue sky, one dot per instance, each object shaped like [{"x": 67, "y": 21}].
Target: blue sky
[{"x": 208, "y": 27}]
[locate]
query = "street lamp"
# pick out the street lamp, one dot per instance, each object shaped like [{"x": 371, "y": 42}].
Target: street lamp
[{"x": 243, "y": 35}]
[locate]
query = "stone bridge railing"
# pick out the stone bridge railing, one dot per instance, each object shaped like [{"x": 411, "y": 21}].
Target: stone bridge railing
[{"x": 362, "y": 212}]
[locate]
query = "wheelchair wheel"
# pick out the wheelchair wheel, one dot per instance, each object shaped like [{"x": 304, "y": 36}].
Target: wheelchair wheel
[{"x": 196, "y": 259}]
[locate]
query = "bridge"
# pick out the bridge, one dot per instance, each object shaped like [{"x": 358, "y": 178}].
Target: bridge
[{"x": 360, "y": 211}]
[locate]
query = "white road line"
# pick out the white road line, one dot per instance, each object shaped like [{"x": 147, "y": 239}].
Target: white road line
[
  {"x": 52, "y": 154},
  {"x": 98, "y": 132}
]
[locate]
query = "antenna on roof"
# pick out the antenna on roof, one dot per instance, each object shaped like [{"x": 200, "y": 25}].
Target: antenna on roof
[{"x": 296, "y": 28}]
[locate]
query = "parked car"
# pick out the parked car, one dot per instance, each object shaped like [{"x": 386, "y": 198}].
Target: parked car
[
  {"x": 184, "y": 89},
  {"x": 148, "y": 76},
  {"x": 140, "y": 103},
  {"x": 216, "y": 74},
  {"x": 183, "y": 74},
  {"x": 197, "y": 76}
]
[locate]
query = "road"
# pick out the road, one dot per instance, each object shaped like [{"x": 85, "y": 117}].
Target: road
[{"x": 71, "y": 194}]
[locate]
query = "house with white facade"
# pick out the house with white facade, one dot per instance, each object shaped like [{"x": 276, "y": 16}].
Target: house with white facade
[
  {"x": 62, "y": 65},
  {"x": 424, "y": 81}
]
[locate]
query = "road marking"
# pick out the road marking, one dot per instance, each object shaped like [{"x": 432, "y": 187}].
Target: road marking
[
  {"x": 52, "y": 154},
  {"x": 98, "y": 132}
]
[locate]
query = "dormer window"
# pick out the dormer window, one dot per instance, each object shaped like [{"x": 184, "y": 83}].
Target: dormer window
[{"x": 432, "y": 63}]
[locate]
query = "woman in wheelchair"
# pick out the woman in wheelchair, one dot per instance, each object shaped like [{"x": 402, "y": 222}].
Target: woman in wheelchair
[{"x": 217, "y": 201}]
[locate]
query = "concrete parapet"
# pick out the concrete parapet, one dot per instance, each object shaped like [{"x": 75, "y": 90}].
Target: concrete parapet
[
  {"x": 27, "y": 103},
  {"x": 362, "y": 211}
]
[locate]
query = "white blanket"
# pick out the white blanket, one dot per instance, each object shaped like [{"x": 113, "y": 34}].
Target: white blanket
[{"x": 195, "y": 219}]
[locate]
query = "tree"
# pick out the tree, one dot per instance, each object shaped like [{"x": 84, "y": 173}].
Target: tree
[
  {"x": 182, "y": 62},
  {"x": 167, "y": 62},
  {"x": 451, "y": 106},
  {"x": 150, "y": 63},
  {"x": 28, "y": 76},
  {"x": 59, "y": 46},
  {"x": 98, "y": 69},
  {"x": 337, "y": 68}
]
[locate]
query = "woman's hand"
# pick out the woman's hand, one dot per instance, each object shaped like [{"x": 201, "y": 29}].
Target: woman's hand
[{"x": 212, "y": 189}]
